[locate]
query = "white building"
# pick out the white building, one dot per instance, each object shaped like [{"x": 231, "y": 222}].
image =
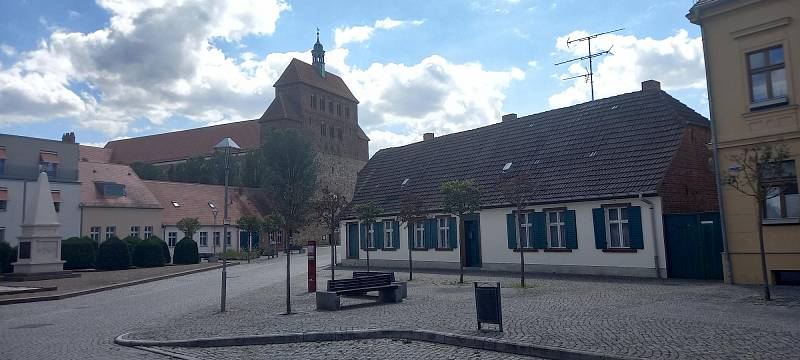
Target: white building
[{"x": 604, "y": 177}]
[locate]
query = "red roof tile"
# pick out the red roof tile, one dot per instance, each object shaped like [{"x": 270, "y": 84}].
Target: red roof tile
[
  {"x": 94, "y": 154},
  {"x": 136, "y": 193},
  {"x": 193, "y": 200}
]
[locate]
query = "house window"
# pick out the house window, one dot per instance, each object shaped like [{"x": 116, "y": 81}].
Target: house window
[
  {"x": 419, "y": 235},
  {"x": 148, "y": 232},
  {"x": 313, "y": 101},
  {"x": 618, "y": 229},
  {"x": 321, "y": 104},
  {"x": 338, "y": 110},
  {"x": 228, "y": 238},
  {"x": 2, "y": 160},
  {"x": 331, "y": 131},
  {"x": 767, "y": 72},
  {"x": 94, "y": 233},
  {"x": 135, "y": 231},
  {"x": 388, "y": 231},
  {"x": 339, "y": 133},
  {"x": 555, "y": 229},
  {"x": 216, "y": 238},
  {"x": 272, "y": 238},
  {"x": 48, "y": 162},
  {"x": 111, "y": 231},
  {"x": 203, "y": 238},
  {"x": 371, "y": 236},
  {"x": 279, "y": 236},
  {"x": 172, "y": 238},
  {"x": 56, "y": 195},
  {"x": 330, "y": 107},
  {"x": 3, "y": 198},
  {"x": 783, "y": 200},
  {"x": 444, "y": 232},
  {"x": 2, "y": 234},
  {"x": 322, "y": 129},
  {"x": 111, "y": 190},
  {"x": 525, "y": 230},
  {"x": 346, "y": 112}
]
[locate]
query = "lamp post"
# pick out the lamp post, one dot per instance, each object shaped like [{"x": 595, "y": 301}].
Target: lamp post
[
  {"x": 227, "y": 145},
  {"x": 214, "y": 212}
]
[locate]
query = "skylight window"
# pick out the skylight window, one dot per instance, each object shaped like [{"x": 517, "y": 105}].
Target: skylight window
[
  {"x": 405, "y": 182},
  {"x": 175, "y": 204},
  {"x": 614, "y": 107},
  {"x": 593, "y": 153},
  {"x": 507, "y": 166},
  {"x": 537, "y": 162}
]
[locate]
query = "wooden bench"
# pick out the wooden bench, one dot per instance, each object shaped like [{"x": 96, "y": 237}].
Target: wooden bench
[
  {"x": 388, "y": 292},
  {"x": 357, "y": 274}
]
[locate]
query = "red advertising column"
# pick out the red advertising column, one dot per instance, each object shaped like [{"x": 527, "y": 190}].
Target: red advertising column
[{"x": 312, "y": 266}]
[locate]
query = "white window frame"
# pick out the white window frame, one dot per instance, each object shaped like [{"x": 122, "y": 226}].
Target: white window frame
[
  {"x": 228, "y": 238},
  {"x": 559, "y": 225},
  {"x": 419, "y": 235},
  {"x": 204, "y": 238},
  {"x": 619, "y": 223},
  {"x": 388, "y": 231},
  {"x": 148, "y": 232},
  {"x": 111, "y": 230},
  {"x": 217, "y": 238},
  {"x": 172, "y": 238},
  {"x": 444, "y": 232},
  {"x": 371, "y": 236},
  {"x": 94, "y": 233},
  {"x": 135, "y": 231},
  {"x": 524, "y": 230}
]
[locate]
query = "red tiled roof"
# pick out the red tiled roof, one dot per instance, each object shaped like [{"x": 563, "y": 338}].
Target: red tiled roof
[
  {"x": 136, "y": 193},
  {"x": 299, "y": 71},
  {"x": 184, "y": 144},
  {"x": 193, "y": 200},
  {"x": 94, "y": 154}
]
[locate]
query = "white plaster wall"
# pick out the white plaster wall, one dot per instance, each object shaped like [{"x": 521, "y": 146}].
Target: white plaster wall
[
  {"x": 210, "y": 229},
  {"x": 494, "y": 243},
  {"x": 69, "y": 216}
]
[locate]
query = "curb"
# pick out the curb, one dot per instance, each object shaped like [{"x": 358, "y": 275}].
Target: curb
[
  {"x": 108, "y": 287},
  {"x": 474, "y": 342}
]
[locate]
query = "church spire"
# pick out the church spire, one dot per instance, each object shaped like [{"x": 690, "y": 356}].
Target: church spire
[{"x": 318, "y": 56}]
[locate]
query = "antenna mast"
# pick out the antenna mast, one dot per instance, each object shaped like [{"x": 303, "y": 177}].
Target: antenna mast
[{"x": 589, "y": 75}]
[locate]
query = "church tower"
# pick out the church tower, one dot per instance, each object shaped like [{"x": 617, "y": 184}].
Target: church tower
[{"x": 318, "y": 57}]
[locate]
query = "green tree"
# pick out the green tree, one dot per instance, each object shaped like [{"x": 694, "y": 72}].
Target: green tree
[
  {"x": 328, "y": 208},
  {"x": 366, "y": 213},
  {"x": 251, "y": 168},
  {"x": 289, "y": 183},
  {"x": 758, "y": 172},
  {"x": 189, "y": 226},
  {"x": 518, "y": 190},
  {"x": 250, "y": 223},
  {"x": 269, "y": 224},
  {"x": 148, "y": 171},
  {"x": 460, "y": 197},
  {"x": 411, "y": 213}
]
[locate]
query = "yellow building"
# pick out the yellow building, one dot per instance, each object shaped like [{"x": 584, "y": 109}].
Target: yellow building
[{"x": 752, "y": 55}]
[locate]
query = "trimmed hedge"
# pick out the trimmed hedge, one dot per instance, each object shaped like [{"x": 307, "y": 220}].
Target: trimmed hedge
[
  {"x": 79, "y": 253},
  {"x": 113, "y": 254},
  {"x": 164, "y": 249},
  {"x": 186, "y": 252},
  {"x": 132, "y": 241},
  {"x": 8, "y": 255},
  {"x": 147, "y": 253}
]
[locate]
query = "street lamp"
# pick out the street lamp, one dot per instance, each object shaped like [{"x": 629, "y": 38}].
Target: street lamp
[
  {"x": 214, "y": 212},
  {"x": 227, "y": 145}
]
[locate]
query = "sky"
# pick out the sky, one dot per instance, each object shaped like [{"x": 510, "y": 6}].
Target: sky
[{"x": 114, "y": 69}]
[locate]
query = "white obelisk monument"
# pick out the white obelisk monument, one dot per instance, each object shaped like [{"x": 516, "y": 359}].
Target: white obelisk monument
[{"x": 40, "y": 242}]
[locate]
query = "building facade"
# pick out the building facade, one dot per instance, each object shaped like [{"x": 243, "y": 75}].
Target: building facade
[
  {"x": 21, "y": 161},
  {"x": 752, "y": 52},
  {"x": 597, "y": 204}
]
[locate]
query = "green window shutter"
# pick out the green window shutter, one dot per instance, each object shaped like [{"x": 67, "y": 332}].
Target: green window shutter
[
  {"x": 539, "y": 232},
  {"x": 411, "y": 232},
  {"x": 599, "y": 217},
  {"x": 430, "y": 233},
  {"x": 396, "y": 234},
  {"x": 363, "y": 237},
  {"x": 453, "y": 232},
  {"x": 511, "y": 230},
  {"x": 378, "y": 234},
  {"x": 635, "y": 227},
  {"x": 570, "y": 229}
]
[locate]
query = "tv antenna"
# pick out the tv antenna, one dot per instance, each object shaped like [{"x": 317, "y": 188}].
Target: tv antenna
[{"x": 589, "y": 76}]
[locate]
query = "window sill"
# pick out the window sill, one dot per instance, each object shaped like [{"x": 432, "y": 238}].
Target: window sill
[
  {"x": 443, "y": 249},
  {"x": 783, "y": 221},
  {"x": 526, "y": 250},
  {"x": 419, "y": 249},
  {"x": 621, "y": 250},
  {"x": 558, "y": 250},
  {"x": 389, "y": 249},
  {"x": 768, "y": 104}
]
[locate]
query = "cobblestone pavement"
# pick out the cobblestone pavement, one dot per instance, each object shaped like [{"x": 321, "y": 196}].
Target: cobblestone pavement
[
  {"x": 356, "y": 350},
  {"x": 630, "y": 317},
  {"x": 84, "y": 327}
]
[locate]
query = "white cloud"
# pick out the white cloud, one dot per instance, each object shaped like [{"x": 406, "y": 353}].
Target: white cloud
[
  {"x": 358, "y": 34},
  {"x": 8, "y": 49},
  {"x": 675, "y": 61},
  {"x": 533, "y": 63}
]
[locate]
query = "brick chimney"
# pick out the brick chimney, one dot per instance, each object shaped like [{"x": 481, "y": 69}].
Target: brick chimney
[
  {"x": 508, "y": 117},
  {"x": 651, "y": 85},
  {"x": 68, "y": 137},
  {"x": 427, "y": 136}
]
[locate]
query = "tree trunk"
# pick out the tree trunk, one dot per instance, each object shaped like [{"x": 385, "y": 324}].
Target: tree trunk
[
  {"x": 249, "y": 245},
  {"x": 410, "y": 266},
  {"x": 333, "y": 254},
  {"x": 288, "y": 246},
  {"x": 462, "y": 252},
  {"x": 521, "y": 252},
  {"x": 767, "y": 295}
]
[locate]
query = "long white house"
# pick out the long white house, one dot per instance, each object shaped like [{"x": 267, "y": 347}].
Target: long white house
[{"x": 606, "y": 176}]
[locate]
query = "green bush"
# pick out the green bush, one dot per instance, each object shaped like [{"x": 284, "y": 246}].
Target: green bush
[
  {"x": 131, "y": 241},
  {"x": 79, "y": 253},
  {"x": 113, "y": 254},
  {"x": 8, "y": 255},
  {"x": 186, "y": 252},
  {"x": 147, "y": 253},
  {"x": 164, "y": 249},
  {"x": 242, "y": 255}
]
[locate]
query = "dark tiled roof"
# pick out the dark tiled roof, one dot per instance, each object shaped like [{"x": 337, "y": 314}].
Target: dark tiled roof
[
  {"x": 184, "y": 144},
  {"x": 193, "y": 200},
  {"x": 137, "y": 195},
  {"x": 298, "y": 71},
  {"x": 605, "y": 148}
]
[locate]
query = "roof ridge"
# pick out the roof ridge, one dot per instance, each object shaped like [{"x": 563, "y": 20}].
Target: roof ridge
[{"x": 178, "y": 131}]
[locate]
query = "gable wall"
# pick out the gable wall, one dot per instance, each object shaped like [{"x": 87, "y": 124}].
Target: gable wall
[{"x": 688, "y": 185}]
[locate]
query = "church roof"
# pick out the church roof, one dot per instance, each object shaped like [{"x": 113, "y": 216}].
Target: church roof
[
  {"x": 299, "y": 71},
  {"x": 282, "y": 107}
]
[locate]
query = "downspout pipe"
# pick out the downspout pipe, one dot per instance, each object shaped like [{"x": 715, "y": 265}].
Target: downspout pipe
[{"x": 653, "y": 232}]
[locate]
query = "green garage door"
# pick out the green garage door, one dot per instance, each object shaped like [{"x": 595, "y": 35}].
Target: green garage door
[{"x": 694, "y": 246}]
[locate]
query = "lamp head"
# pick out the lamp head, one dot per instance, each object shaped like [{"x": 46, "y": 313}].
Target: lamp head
[{"x": 227, "y": 144}]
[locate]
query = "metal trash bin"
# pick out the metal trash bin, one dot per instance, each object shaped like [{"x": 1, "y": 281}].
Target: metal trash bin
[{"x": 488, "y": 307}]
